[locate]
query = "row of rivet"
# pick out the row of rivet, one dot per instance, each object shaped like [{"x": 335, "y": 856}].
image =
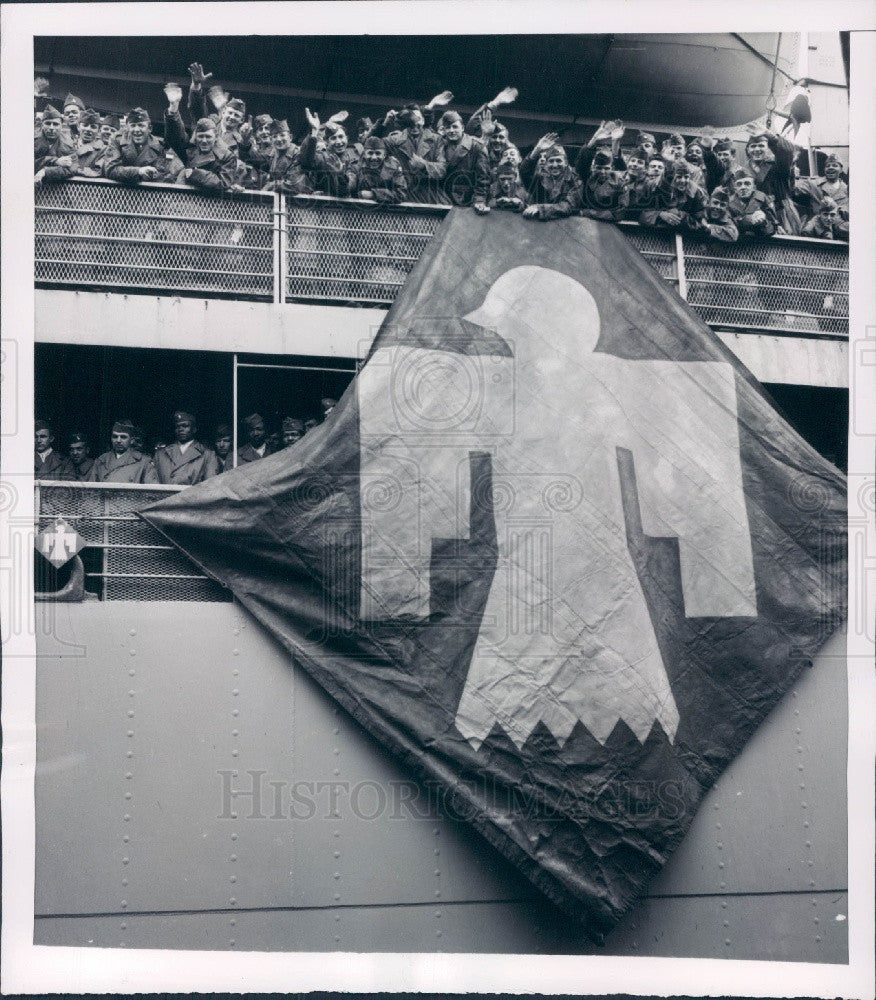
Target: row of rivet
[
  {"x": 129, "y": 795},
  {"x": 235, "y": 752}
]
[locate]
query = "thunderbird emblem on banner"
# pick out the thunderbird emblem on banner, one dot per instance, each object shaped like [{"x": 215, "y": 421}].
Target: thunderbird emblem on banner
[{"x": 549, "y": 549}]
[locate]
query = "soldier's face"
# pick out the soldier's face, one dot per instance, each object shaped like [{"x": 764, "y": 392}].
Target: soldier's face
[
  {"x": 695, "y": 154},
  {"x": 373, "y": 158},
  {"x": 231, "y": 117},
  {"x": 139, "y": 132},
  {"x": 648, "y": 146},
  {"x": 51, "y": 128},
  {"x": 757, "y": 149},
  {"x": 42, "y": 440},
  {"x": 108, "y": 133},
  {"x": 498, "y": 144},
  {"x": 725, "y": 158},
  {"x": 415, "y": 127},
  {"x": 338, "y": 141},
  {"x": 205, "y": 139},
  {"x": 716, "y": 208},
  {"x": 680, "y": 181},
  {"x": 656, "y": 170},
  {"x": 121, "y": 442},
  {"x": 677, "y": 149},
  {"x": 184, "y": 430},
  {"x": 223, "y": 446},
  {"x": 511, "y": 155},
  {"x": 832, "y": 170},
  {"x": 290, "y": 437},
  {"x": 263, "y": 133},
  {"x": 636, "y": 166},
  {"x": 828, "y": 214},
  {"x": 554, "y": 165},
  {"x": 601, "y": 173},
  {"x": 78, "y": 451},
  {"x": 309, "y": 424},
  {"x": 506, "y": 185},
  {"x": 88, "y": 132},
  {"x": 281, "y": 141},
  {"x": 72, "y": 114},
  {"x": 452, "y": 131},
  {"x": 256, "y": 434},
  {"x": 744, "y": 186}
]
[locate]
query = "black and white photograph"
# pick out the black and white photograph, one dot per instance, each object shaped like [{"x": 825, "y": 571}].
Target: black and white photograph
[{"x": 447, "y": 559}]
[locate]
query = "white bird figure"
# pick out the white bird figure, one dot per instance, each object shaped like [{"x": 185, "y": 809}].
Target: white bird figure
[{"x": 566, "y": 635}]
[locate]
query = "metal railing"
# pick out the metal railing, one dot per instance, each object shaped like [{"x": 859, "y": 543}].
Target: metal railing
[
  {"x": 124, "y": 558},
  {"x": 171, "y": 239}
]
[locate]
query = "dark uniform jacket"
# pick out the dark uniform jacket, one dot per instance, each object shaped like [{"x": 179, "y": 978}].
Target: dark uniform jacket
[
  {"x": 815, "y": 189},
  {"x": 327, "y": 171},
  {"x": 599, "y": 199},
  {"x": 45, "y": 154},
  {"x": 247, "y": 453},
  {"x": 231, "y": 138},
  {"x": 387, "y": 184},
  {"x": 216, "y": 170},
  {"x": 556, "y": 199},
  {"x": 466, "y": 172},
  {"x": 741, "y": 211},
  {"x": 122, "y": 159},
  {"x": 285, "y": 174},
  {"x": 197, "y": 464},
  {"x": 424, "y": 185},
  {"x": 91, "y": 156},
  {"x": 723, "y": 228},
  {"x": 83, "y": 468},
  {"x": 514, "y": 201},
  {"x": 638, "y": 195},
  {"x": 54, "y": 467},
  {"x": 691, "y": 203},
  {"x": 131, "y": 467},
  {"x": 775, "y": 179}
]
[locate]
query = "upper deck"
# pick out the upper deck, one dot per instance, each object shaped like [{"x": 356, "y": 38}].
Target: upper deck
[{"x": 306, "y": 251}]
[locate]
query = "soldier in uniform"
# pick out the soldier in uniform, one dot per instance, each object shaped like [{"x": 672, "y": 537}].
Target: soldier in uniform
[
  {"x": 210, "y": 164},
  {"x": 812, "y": 191},
  {"x": 555, "y": 191},
  {"x": 137, "y": 155},
  {"x": 327, "y": 171},
  {"x": 123, "y": 463},
  {"x": 80, "y": 455},
  {"x": 91, "y": 148},
  {"x": 261, "y": 152},
  {"x": 284, "y": 172},
  {"x": 770, "y": 159},
  {"x": 682, "y": 206},
  {"x": 718, "y": 219},
  {"x": 602, "y": 185},
  {"x": 222, "y": 441},
  {"x": 54, "y": 155},
  {"x": 639, "y": 189},
  {"x": 47, "y": 463},
  {"x": 293, "y": 430},
  {"x": 827, "y": 225},
  {"x": 752, "y": 210},
  {"x": 339, "y": 144},
  {"x": 73, "y": 111},
  {"x": 418, "y": 150},
  {"x": 109, "y": 128},
  {"x": 232, "y": 128},
  {"x": 376, "y": 176},
  {"x": 720, "y": 162},
  {"x": 506, "y": 191},
  {"x": 256, "y": 446},
  {"x": 185, "y": 461},
  {"x": 467, "y": 176}
]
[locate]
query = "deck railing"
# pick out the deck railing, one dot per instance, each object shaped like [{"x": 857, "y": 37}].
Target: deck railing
[
  {"x": 124, "y": 558},
  {"x": 167, "y": 239}
]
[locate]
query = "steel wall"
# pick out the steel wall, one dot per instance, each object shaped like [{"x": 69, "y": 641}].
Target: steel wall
[{"x": 140, "y": 710}]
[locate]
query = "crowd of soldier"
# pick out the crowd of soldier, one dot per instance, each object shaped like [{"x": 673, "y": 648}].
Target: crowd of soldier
[
  {"x": 182, "y": 462},
  {"x": 429, "y": 155}
]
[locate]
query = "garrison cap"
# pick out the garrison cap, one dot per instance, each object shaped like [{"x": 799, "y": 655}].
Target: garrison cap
[
  {"x": 829, "y": 204},
  {"x": 77, "y": 437},
  {"x": 374, "y": 142},
  {"x": 124, "y": 426},
  {"x": 293, "y": 424},
  {"x": 112, "y": 120},
  {"x": 43, "y": 425},
  {"x": 757, "y": 137},
  {"x": 362, "y": 124},
  {"x": 90, "y": 117},
  {"x": 448, "y": 117},
  {"x": 719, "y": 194},
  {"x": 833, "y": 158},
  {"x": 223, "y": 431},
  {"x": 51, "y": 114},
  {"x": 640, "y": 154},
  {"x": 205, "y": 125},
  {"x": 261, "y": 120},
  {"x": 138, "y": 115},
  {"x": 181, "y": 415},
  {"x": 644, "y": 137},
  {"x": 740, "y": 173},
  {"x": 253, "y": 420},
  {"x": 279, "y": 125},
  {"x": 676, "y": 139},
  {"x": 332, "y": 128},
  {"x": 681, "y": 169},
  {"x": 601, "y": 159},
  {"x": 722, "y": 145},
  {"x": 72, "y": 99},
  {"x": 236, "y": 104}
]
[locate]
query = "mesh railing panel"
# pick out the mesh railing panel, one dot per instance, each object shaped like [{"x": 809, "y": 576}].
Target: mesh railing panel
[
  {"x": 347, "y": 253},
  {"x": 155, "y": 238},
  {"x": 657, "y": 248},
  {"x": 137, "y": 563},
  {"x": 793, "y": 286}
]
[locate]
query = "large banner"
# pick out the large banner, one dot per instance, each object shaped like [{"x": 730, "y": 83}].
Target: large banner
[{"x": 554, "y": 548}]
